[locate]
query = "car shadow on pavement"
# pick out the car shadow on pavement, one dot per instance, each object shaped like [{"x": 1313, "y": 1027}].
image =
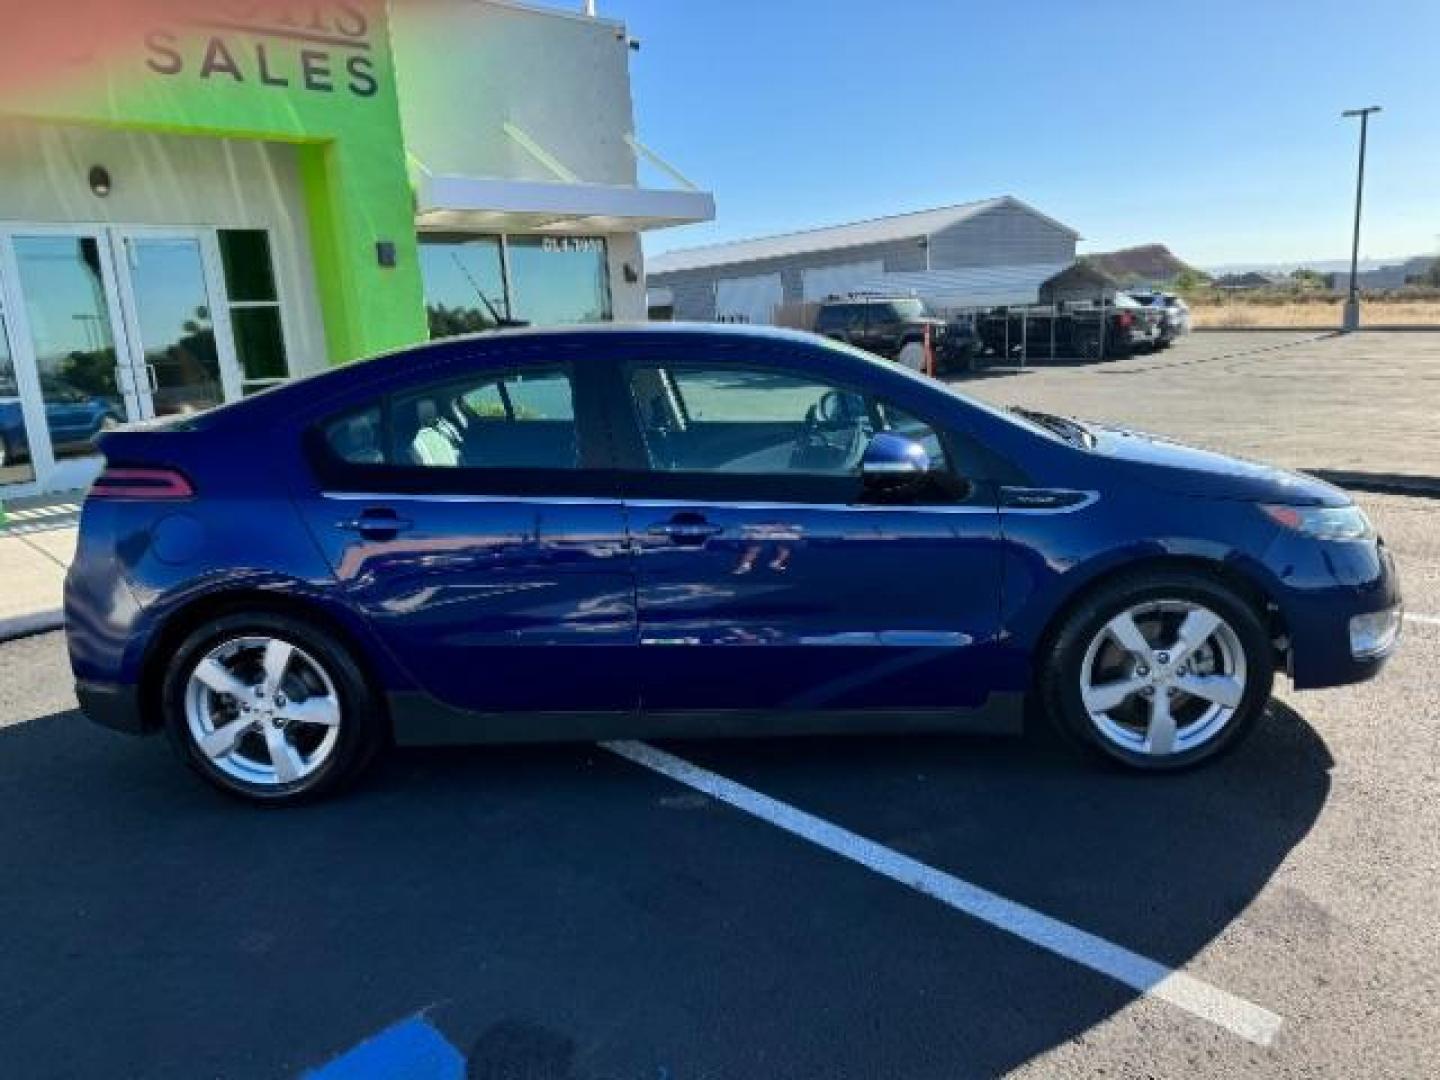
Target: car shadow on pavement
[{"x": 625, "y": 926}]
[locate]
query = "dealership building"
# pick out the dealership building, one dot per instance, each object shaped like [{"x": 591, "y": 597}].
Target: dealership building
[{"x": 195, "y": 210}]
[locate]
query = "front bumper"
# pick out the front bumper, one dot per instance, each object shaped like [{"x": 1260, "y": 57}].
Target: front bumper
[{"x": 1329, "y": 585}]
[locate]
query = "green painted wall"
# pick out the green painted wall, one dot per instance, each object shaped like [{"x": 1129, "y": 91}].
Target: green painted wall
[{"x": 324, "y": 81}]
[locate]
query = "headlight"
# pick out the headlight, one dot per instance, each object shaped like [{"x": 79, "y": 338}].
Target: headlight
[{"x": 1323, "y": 522}]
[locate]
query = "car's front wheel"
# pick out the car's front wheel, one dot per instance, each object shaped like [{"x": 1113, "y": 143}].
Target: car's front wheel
[
  {"x": 1160, "y": 670},
  {"x": 269, "y": 707}
]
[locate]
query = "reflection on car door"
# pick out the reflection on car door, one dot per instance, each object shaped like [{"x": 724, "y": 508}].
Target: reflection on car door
[
  {"x": 764, "y": 579},
  {"x": 476, "y": 539}
]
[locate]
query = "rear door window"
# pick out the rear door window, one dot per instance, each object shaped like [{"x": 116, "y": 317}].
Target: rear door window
[{"x": 505, "y": 420}]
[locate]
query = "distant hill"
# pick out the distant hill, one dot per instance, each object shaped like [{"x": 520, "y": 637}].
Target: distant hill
[
  {"x": 1322, "y": 266},
  {"x": 1153, "y": 264}
]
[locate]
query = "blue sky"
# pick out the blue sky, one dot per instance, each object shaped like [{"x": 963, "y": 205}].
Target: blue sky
[{"x": 1210, "y": 126}]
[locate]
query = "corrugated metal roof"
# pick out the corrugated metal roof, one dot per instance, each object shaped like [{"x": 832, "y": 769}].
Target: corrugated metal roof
[
  {"x": 857, "y": 234},
  {"x": 972, "y": 286}
]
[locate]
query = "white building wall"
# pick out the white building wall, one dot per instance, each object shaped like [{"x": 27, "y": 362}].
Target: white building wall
[
  {"x": 172, "y": 180},
  {"x": 750, "y": 300},
  {"x": 466, "y": 68}
]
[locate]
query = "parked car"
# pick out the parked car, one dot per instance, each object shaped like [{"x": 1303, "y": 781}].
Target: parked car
[
  {"x": 885, "y": 325},
  {"x": 1174, "y": 314},
  {"x": 1088, "y": 330},
  {"x": 681, "y": 531},
  {"x": 74, "y": 418}
]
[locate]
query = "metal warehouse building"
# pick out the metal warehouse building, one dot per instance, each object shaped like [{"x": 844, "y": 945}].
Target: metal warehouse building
[{"x": 988, "y": 253}]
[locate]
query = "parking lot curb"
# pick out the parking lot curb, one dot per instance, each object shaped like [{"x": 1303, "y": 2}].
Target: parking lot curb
[
  {"x": 1420, "y": 487},
  {"x": 22, "y": 626}
]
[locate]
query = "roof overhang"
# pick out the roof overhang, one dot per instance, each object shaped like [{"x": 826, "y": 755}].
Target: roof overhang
[{"x": 475, "y": 203}]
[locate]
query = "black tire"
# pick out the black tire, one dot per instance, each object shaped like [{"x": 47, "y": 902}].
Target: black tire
[
  {"x": 362, "y": 727},
  {"x": 1061, "y": 668}
]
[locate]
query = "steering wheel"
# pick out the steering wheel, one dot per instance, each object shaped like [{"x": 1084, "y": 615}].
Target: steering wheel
[
  {"x": 836, "y": 409},
  {"x": 835, "y": 433}
]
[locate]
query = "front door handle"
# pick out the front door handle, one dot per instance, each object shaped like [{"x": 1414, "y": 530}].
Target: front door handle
[
  {"x": 685, "y": 529},
  {"x": 379, "y": 523}
]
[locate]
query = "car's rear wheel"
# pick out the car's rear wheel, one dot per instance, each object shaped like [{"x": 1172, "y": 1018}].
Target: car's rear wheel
[
  {"x": 1159, "y": 671},
  {"x": 270, "y": 708}
]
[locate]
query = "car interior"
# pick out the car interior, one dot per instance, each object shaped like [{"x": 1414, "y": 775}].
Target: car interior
[{"x": 761, "y": 424}]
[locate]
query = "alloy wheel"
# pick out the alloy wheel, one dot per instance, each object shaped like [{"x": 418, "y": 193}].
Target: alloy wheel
[
  {"x": 263, "y": 711},
  {"x": 1163, "y": 677}
]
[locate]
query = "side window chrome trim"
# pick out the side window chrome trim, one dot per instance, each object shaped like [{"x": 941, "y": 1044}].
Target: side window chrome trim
[
  {"x": 731, "y": 504},
  {"x": 400, "y": 496}
]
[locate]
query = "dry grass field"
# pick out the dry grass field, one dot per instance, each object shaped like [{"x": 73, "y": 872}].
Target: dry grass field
[{"x": 1238, "y": 314}]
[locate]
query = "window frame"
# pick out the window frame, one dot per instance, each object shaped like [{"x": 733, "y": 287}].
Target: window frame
[
  {"x": 639, "y": 480},
  {"x": 593, "y": 475},
  {"x": 248, "y": 385}
]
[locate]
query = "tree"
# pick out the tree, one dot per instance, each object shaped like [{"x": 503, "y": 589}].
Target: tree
[{"x": 1189, "y": 280}]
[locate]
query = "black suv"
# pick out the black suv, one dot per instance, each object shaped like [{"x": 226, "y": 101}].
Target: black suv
[{"x": 884, "y": 325}]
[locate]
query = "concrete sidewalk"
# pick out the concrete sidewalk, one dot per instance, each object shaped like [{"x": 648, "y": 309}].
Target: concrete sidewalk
[{"x": 32, "y": 578}]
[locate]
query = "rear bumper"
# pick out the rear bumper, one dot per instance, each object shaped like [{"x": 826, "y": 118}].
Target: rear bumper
[{"x": 112, "y": 705}]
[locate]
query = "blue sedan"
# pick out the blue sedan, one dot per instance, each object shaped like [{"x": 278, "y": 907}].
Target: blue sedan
[{"x": 647, "y": 532}]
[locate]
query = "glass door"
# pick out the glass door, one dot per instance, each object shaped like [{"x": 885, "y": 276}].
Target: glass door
[
  {"x": 16, "y": 466},
  {"x": 181, "y": 349},
  {"x": 67, "y": 361}
]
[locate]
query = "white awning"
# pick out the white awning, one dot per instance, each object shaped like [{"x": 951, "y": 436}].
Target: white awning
[
  {"x": 474, "y": 203},
  {"x": 971, "y": 286}
]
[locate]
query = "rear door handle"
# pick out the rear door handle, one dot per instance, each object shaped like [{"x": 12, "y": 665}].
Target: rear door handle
[
  {"x": 380, "y": 523},
  {"x": 686, "y": 531}
]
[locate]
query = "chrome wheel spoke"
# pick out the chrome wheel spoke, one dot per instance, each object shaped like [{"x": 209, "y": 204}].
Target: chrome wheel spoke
[
  {"x": 1220, "y": 689},
  {"x": 219, "y": 678},
  {"x": 285, "y": 759},
  {"x": 1160, "y": 733},
  {"x": 1127, "y": 634},
  {"x": 1111, "y": 695},
  {"x": 324, "y": 711},
  {"x": 1194, "y": 631},
  {"x": 221, "y": 742},
  {"x": 277, "y": 661}
]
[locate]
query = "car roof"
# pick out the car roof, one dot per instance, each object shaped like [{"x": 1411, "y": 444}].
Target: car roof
[{"x": 384, "y": 367}]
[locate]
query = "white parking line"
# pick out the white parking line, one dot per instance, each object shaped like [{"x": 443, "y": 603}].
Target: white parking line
[
  {"x": 1149, "y": 977},
  {"x": 1424, "y": 620}
]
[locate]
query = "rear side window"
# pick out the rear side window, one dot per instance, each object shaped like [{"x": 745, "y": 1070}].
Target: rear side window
[
  {"x": 494, "y": 420},
  {"x": 358, "y": 437},
  {"x": 509, "y": 421}
]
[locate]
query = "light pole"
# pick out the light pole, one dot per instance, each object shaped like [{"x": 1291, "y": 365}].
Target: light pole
[{"x": 1352, "y": 302}]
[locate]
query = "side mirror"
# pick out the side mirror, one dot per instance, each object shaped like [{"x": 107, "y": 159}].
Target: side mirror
[{"x": 891, "y": 459}]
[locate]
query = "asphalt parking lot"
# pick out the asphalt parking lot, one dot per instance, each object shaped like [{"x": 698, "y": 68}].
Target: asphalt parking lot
[
  {"x": 1361, "y": 403},
  {"x": 855, "y": 908}
]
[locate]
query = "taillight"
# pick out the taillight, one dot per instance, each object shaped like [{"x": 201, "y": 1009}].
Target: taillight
[
  {"x": 155, "y": 484},
  {"x": 1126, "y": 320}
]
